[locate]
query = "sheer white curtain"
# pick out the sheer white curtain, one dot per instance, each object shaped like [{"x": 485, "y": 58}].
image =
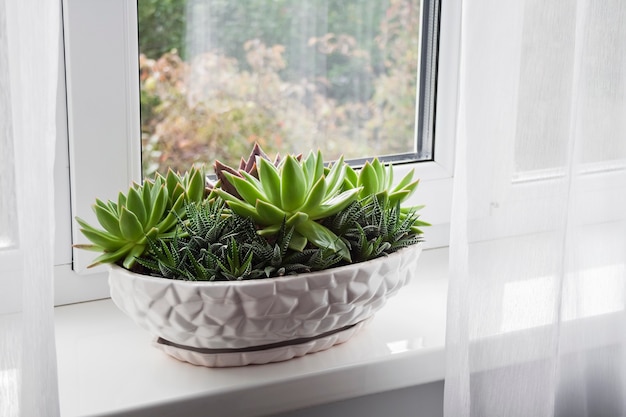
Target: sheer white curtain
[
  {"x": 536, "y": 315},
  {"x": 29, "y": 51}
]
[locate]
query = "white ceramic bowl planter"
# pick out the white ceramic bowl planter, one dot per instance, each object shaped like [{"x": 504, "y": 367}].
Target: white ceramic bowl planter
[{"x": 234, "y": 323}]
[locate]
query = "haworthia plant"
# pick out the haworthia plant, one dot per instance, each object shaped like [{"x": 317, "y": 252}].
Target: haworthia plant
[{"x": 215, "y": 247}]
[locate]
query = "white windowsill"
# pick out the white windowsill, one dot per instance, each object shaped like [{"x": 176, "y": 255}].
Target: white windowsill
[{"x": 107, "y": 366}]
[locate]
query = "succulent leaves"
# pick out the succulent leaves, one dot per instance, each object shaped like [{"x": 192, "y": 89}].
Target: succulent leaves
[
  {"x": 149, "y": 210},
  {"x": 246, "y": 165},
  {"x": 297, "y": 192},
  {"x": 215, "y": 247},
  {"x": 267, "y": 218},
  {"x": 377, "y": 180}
]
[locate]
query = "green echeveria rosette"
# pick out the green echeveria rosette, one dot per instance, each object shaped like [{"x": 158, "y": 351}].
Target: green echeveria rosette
[
  {"x": 297, "y": 194},
  {"x": 149, "y": 210},
  {"x": 376, "y": 181}
]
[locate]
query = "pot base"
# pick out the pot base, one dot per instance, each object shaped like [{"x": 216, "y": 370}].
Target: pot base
[{"x": 221, "y": 358}]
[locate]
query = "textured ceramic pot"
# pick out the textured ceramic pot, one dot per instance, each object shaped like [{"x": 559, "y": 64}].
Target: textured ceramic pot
[{"x": 231, "y": 323}]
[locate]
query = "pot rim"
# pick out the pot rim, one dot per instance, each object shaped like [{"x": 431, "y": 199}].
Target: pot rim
[{"x": 115, "y": 269}]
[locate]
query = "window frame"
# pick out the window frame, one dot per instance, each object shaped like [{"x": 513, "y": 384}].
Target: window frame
[
  {"x": 103, "y": 129},
  {"x": 521, "y": 193}
]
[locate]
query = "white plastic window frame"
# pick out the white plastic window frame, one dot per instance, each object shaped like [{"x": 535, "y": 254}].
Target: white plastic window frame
[
  {"x": 528, "y": 193},
  {"x": 103, "y": 133}
]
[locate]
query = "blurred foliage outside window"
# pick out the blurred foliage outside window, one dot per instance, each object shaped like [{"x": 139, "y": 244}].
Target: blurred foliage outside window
[{"x": 218, "y": 75}]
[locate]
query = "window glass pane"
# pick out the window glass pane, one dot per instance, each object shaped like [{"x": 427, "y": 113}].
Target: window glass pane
[
  {"x": 293, "y": 75},
  {"x": 603, "y": 98},
  {"x": 545, "y": 87},
  {"x": 552, "y": 104}
]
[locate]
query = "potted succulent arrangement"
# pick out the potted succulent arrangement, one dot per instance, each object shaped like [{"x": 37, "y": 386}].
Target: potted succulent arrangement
[{"x": 273, "y": 260}]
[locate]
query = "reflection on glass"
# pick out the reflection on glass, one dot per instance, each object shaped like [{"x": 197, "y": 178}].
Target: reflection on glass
[{"x": 293, "y": 75}]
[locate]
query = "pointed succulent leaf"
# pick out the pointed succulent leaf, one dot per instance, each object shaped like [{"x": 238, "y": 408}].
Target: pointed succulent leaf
[
  {"x": 417, "y": 230},
  {"x": 113, "y": 208},
  {"x": 220, "y": 169},
  {"x": 200, "y": 273},
  {"x": 103, "y": 239},
  {"x": 173, "y": 215},
  {"x": 407, "y": 191},
  {"x": 389, "y": 175},
  {"x": 85, "y": 225},
  {"x": 335, "y": 177},
  {"x": 316, "y": 196},
  {"x": 296, "y": 219},
  {"x": 110, "y": 257},
  {"x": 368, "y": 179},
  {"x": 257, "y": 153},
  {"x": 157, "y": 209},
  {"x": 159, "y": 177},
  {"x": 292, "y": 185},
  {"x": 379, "y": 168},
  {"x": 308, "y": 167},
  {"x": 246, "y": 210},
  {"x": 251, "y": 178},
  {"x": 93, "y": 248},
  {"x": 297, "y": 242},
  {"x": 130, "y": 226},
  {"x": 172, "y": 179},
  {"x": 323, "y": 238},
  {"x": 398, "y": 196},
  {"x": 134, "y": 203},
  {"x": 121, "y": 201},
  {"x": 131, "y": 257},
  {"x": 157, "y": 181},
  {"x": 319, "y": 166},
  {"x": 352, "y": 178},
  {"x": 335, "y": 204},
  {"x": 146, "y": 196},
  {"x": 269, "y": 230},
  {"x": 270, "y": 213},
  {"x": 109, "y": 221},
  {"x": 110, "y": 206},
  {"x": 179, "y": 191},
  {"x": 270, "y": 180},
  {"x": 404, "y": 181},
  {"x": 313, "y": 167},
  {"x": 224, "y": 195},
  {"x": 195, "y": 187},
  {"x": 246, "y": 189}
]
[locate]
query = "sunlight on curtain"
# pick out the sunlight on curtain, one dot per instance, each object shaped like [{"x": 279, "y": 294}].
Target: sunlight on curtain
[
  {"x": 536, "y": 312},
  {"x": 29, "y": 51}
]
